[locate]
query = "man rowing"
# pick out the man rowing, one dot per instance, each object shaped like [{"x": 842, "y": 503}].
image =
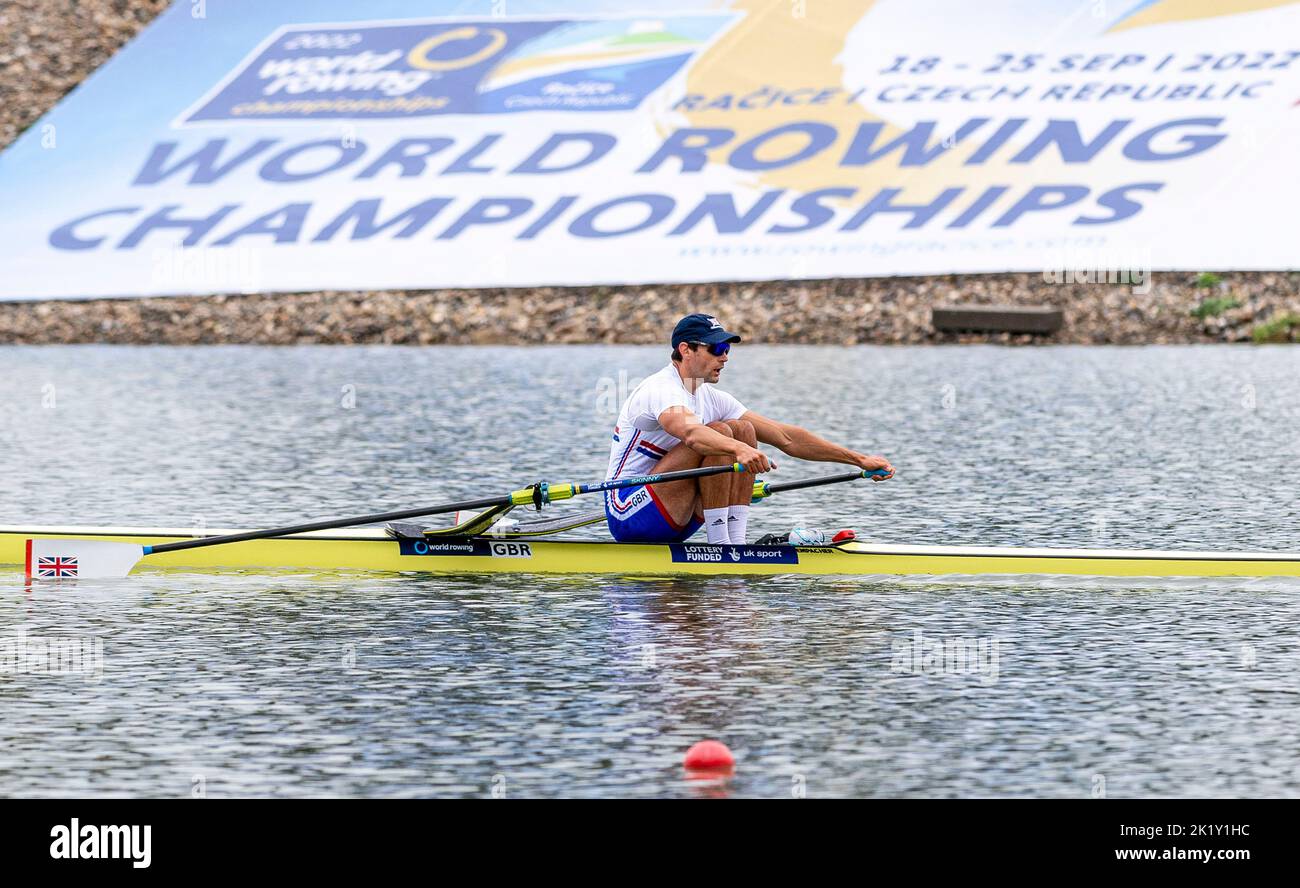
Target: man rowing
[{"x": 676, "y": 419}]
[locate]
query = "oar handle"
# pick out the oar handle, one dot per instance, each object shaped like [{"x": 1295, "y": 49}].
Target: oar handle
[
  {"x": 762, "y": 489},
  {"x": 536, "y": 494}
]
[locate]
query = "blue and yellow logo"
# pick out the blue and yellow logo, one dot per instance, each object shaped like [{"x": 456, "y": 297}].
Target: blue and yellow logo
[{"x": 462, "y": 67}]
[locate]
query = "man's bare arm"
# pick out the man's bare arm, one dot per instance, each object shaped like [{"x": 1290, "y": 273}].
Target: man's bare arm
[
  {"x": 681, "y": 423},
  {"x": 803, "y": 444}
]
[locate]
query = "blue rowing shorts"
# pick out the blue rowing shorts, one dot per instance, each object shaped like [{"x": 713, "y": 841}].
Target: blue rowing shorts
[{"x": 635, "y": 515}]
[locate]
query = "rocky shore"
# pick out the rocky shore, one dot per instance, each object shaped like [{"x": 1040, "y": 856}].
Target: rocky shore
[
  {"x": 1242, "y": 307},
  {"x": 47, "y": 47}
]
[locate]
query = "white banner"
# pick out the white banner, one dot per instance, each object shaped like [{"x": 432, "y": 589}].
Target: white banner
[{"x": 241, "y": 146}]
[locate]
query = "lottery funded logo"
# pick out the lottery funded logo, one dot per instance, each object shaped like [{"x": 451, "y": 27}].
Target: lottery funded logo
[{"x": 706, "y": 553}]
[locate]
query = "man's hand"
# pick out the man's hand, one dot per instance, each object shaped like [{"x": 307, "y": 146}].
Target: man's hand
[
  {"x": 873, "y": 464},
  {"x": 753, "y": 458}
]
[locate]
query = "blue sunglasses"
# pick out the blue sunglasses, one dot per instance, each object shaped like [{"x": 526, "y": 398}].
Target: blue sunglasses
[{"x": 717, "y": 349}]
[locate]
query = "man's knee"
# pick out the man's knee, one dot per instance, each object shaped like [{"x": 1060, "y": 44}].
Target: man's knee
[
  {"x": 743, "y": 430},
  {"x": 722, "y": 427},
  {"x": 682, "y": 456}
]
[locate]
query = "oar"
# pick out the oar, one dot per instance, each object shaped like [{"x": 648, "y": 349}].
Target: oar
[
  {"x": 100, "y": 558},
  {"x": 762, "y": 489}
]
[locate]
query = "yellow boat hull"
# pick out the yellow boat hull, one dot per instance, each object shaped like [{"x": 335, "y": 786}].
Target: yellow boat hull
[{"x": 371, "y": 550}]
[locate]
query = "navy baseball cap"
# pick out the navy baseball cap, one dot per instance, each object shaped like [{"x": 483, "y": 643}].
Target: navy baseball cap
[{"x": 701, "y": 328}]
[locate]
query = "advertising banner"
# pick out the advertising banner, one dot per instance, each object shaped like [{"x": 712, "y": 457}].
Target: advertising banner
[{"x": 241, "y": 146}]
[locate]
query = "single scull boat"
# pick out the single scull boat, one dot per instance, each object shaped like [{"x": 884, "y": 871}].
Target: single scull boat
[
  {"x": 373, "y": 549},
  {"x": 486, "y": 543}
]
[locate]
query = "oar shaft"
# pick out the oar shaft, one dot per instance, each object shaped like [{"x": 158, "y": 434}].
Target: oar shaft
[
  {"x": 661, "y": 478},
  {"x": 330, "y": 524},
  {"x": 518, "y": 497},
  {"x": 763, "y": 489}
]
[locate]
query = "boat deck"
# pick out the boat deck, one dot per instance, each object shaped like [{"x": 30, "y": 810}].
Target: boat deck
[{"x": 371, "y": 549}]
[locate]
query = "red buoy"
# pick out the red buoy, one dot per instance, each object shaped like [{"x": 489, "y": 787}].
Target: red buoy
[{"x": 708, "y": 755}]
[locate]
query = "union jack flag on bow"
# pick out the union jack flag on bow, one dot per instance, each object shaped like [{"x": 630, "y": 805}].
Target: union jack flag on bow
[{"x": 56, "y": 566}]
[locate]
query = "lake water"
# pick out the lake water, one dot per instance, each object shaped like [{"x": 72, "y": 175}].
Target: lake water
[{"x": 406, "y": 685}]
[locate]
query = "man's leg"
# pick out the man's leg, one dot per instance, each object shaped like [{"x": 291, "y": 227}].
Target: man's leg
[
  {"x": 684, "y": 499},
  {"x": 717, "y": 491},
  {"x": 742, "y": 485},
  {"x": 681, "y": 501},
  {"x": 679, "y": 498}
]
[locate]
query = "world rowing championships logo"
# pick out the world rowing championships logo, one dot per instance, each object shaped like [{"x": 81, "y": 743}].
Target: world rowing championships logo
[{"x": 491, "y": 66}]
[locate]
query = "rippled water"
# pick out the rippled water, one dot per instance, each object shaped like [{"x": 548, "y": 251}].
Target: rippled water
[{"x": 334, "y": 684}]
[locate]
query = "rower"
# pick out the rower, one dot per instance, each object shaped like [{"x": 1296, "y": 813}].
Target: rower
[{"x": 677, "y": 419}]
